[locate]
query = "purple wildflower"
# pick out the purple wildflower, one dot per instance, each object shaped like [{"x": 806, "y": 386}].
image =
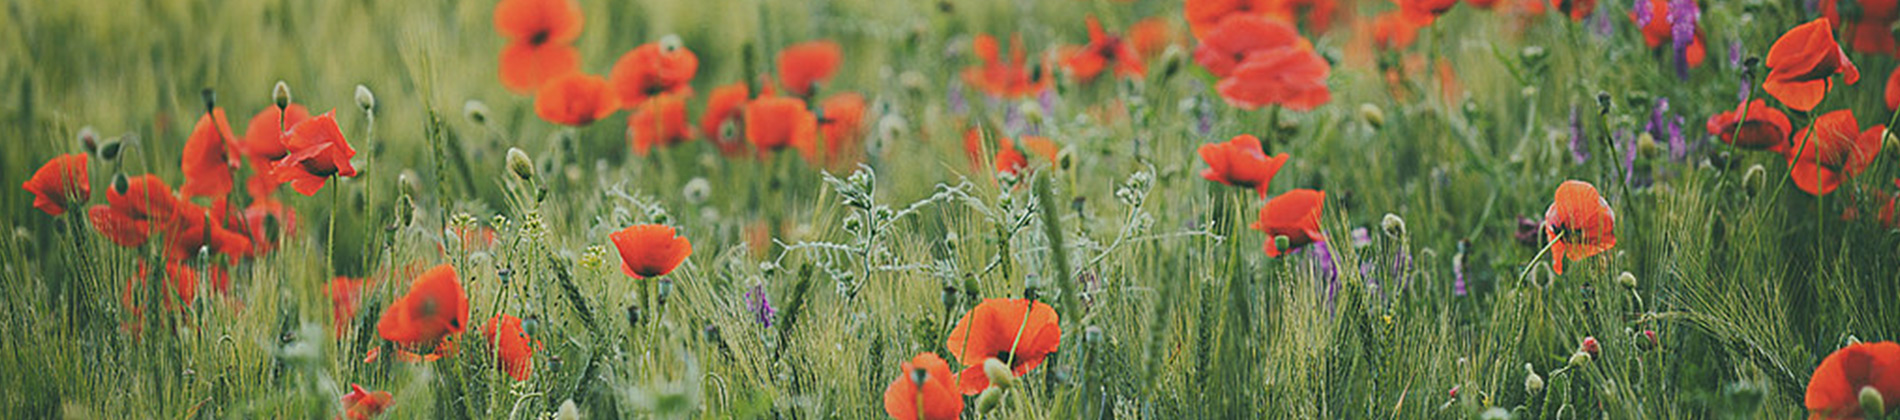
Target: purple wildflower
[
  {"x": 1579, "y": 150},
  {"x": 1458, "y": 270},
  {"x": 1641, "y": 13},
  {"x": 1323, "y": 259},
  {"x": 760, "y": 305},
  {"x": 1048, "y": 101},
  {"x": 1683, "y": 17},
  {"x": 1361, "y": 237},
  {"x": 1735, "y": 53},
  {"x": 1678, "y": 146},
  {"x": 954, "y": 94}
]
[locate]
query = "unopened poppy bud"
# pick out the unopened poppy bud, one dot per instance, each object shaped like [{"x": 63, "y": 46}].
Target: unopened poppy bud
[
  {"x": 1753, "y": 178},
  {"x": 991, "y": 398},
  {"x": 1032, "y": 287},
  {"x": 120, "y": 184},
  {"x": 475, "y": 112},
  {"x": 671, "y": 43},
  {"x": 520, "y": 164},
  {"x": 999, "y": 373},
  {"x": 365, "y": 99},
  {"x": 1532, "y": 383},
  {"x": 1590, "y": 346},
  {"x": 89, "y": 139},
  {"x": 951, "y": 296},
  {"x": 666, "y": 290},
  {"x": 280, "y": 95},
  {"x": 1393, "y": 225},
  {"x": 1650, "y": 341},
  {"x": 633, "y": 315},
  {"x": 1603, "y": 101},
  {"x": 1872, "y": 403},
  {"x": 1372, "y": 114},
  {"x": 109, "y": 149},
  {"x": 1579, "y": 359},
  {"x": 1626, "y": 279},
  {"x": 1065, "y": 159},
  {"x": 210, "y": 98},
  {"x": 1281, "y": 243},
  {"x": 1171, "y": 61}
]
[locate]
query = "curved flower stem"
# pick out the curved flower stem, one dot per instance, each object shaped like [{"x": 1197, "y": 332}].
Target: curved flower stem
[{"x": 1540, "y": 255}]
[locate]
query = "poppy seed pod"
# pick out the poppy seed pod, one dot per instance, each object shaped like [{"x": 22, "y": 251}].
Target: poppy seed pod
[
  {"x": 365, "y": 99},
  {"x": 280, "y": 95},
  {"x": 475, "y": 112},
  {"x": 1373, "y": 115},
  {"x": 998, "y": 373},
  {"x": 1532, "y": 383},
  {"x": 519, "y": 163},
  {"x": 1393, "y": 225},
  {"x": 1872, "y": 403}
]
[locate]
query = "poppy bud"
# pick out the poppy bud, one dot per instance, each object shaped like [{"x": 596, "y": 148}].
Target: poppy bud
[
  {"x": 519, "y": 163},
  {"x": 1626, "y": 279},
  {"x": 1892, "y": 143},
  {"x": 210, "y": 98},
  {"x": 1032, "y": 287},
  {"x": 109, "y": 150},
  {"x": 998, "y": 372},
  {"x": 475, "y": 111},
  {"x": 1532, "y": 383},
  {"x": 1498, "y": 413},
  {"x": 89, "y": 139},
  {"x": 1872, "y": 403},
  {"x": 991, "y": 398},
  {"x": 950, "y": 297},
  {"x": 280, "y": 95},
  {"x": 1065, "y": 159},
  {"x": 666, "y": 290},
  {"x": 365, "y": 99},
  {"x": 1393, "y": 225},
  {"x": 1578, "y": 359},
  {"x": 120, "y": 184},
  {"x": 671, "y": 43},
  {"x": 1753, "y": 179},
  {"x": 1373, "y": 115},
  {"x": 633, "y": 315},
  {"x": 1603, "y": 102},
  {"x": 1590, "y": 345}
]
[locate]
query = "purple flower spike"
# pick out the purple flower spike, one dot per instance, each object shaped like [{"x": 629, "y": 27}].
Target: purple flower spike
[
  {"x": 1640, "y": 11},
  {"x": 1678, "y": 146},
  {"x": 1579, "y": 150},
  {"x": 760, "y": 305}
]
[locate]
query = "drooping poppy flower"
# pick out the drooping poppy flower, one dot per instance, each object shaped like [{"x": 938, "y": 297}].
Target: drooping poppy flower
[
  {"x": 651, "y": 70},
  {"x": 360, "y": 404},
  {"x": 208, "y": 158},
  {"x": 1424, "y": 12},
  {"x": 346, "y": 297},
  {"x": 1576, "y": 9},
  {"x": 1013, "y": 78},
  {"x": 1294, "y": 215},
  {"x": 576, "y": 99},
  {"x": 805, "y": 64},
  {"x": 1834, "y": 390},
  {"x": 263, "y": 138},
  {"x": 1764, "y": 128},
  {"x": 60, "y": 184},
  {"x": 1150, "y": 36},
  {"x": 722, "y": 108},
  {"x": 540, "y": 34},
  {"x": 1226, "y": 46},
  {"x": 777, "y": 122},
  {"x": 1579, "y": 224},
  {"x": 1836, "y": 149},
  {"x": 923, "y": 389},
  {"x": 841, "y": 122},
  {"x": 1102, "y": 51},
  {"x": 648, "y": 251},
  {"x": 660, "y": 121},
  {"x": 317, "y": 152},
  {"x": 1290, "y": 77},
  {"x": 1204, "y": 15},
  {"x": 1872, "y": 29},
  {"x": 1241, "y": 162},
  {"x": 1802, "y": 61},
  {"x": 434, "y": 308},
  {"x": 1018, "y": 332},
  {"x": 512, "y": 346}
]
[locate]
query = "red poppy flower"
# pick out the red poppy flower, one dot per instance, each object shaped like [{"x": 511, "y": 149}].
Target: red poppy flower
[
  {"x": 1011, "y": 160},
  {"x": 648, "y": 251},
  {"x": 1204, "y": 15},
  {"x": 118, "y": 226},
  {"x": 1579, "y": 224},
  {"x": 1424, "y": 12},
  {"x": 208, "y": 157},
  {"x": 1317, "y": 14},
  {"x": 653, "y": 69},
  {"x": 1893, "y": 90},
  {"x": 266, "y": 223},
  {"x": 658, "y": 122},
  {"x": 1018, "y": 332},
  {"x": 1294, "y": 215},
  {"x": 1576, "y": 9},
  {"x": 360, "y": 404},
  {"x": 1657, "y": 30},
  {"x": 1241, "y": 163},
  {"x": 973, "y": 146},
  {"x": 1393, "y": 32},
  {"x": 576, "y": 99},
  {"x": 263, "y": 138},
  {"x": 1150, "y": 36},
  {"x": 346, "y": 297},
  {"x": 192, "y": 228},
  {"x": 1872, "y": 30},
  {"x": 923, "y": 389},
  {"x": 1482, "y": 4},
  {"x": 842, "y": 123},
  {"x": 1834, "y": 151},
  {"x": 1764, "y": 129},
  {"x": 540, "y": 34},
  {"x": 1834, "y": 390},
  {"x": 143, "y": 197},
  {"x": 183, "y": 282},
  {"x": 1013, "y": 78},
  {"x": 722, "y": 107},
  {"x": 777, "y": 122},
  {"x": 1887, "y": 216},
  {"x": 59, "y": 184},
  {"x": 1224, "y": 47},
  {"x": 1102, "y": 50},
  {"x": 1290, "y": 77},
  {"x": 1802, "y": 60},
  {"x": 808, "y": 63},
  {"x": 317, "y": 152},
  {"x": 512, "y": 346},
  {"x": 434, "y": 308}
]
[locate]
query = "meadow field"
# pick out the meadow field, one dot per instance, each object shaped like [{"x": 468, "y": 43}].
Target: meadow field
[{"x": 949, "y": 209}]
